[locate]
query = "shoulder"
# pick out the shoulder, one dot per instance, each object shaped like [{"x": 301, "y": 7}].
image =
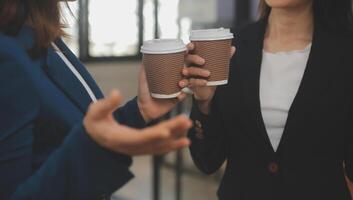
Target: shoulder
[
  {"x": 17, "y": 92},
  {"x": 14, "y": 57},
  {"x": 11, "y": 49}
]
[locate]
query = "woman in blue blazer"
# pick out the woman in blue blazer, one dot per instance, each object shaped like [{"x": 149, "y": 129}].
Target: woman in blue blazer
[{"x": 53, "y": 145}]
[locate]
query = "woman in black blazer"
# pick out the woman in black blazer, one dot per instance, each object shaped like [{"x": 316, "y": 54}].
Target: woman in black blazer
[{"x": 237, "y": 122}]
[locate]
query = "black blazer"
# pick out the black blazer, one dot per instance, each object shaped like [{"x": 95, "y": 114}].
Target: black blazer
[{"x": 318, "y": 136}]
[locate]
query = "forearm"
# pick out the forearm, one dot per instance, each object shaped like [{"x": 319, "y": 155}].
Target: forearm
[
  {"x": 204, "y": 106},
  {"x": 208, "y": 147}
]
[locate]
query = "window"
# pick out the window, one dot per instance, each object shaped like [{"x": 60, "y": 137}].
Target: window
[
  {"x": 149, "y": 26},
  {"x": 70, "y": 19},
  {"x": 114, "y": 29}
]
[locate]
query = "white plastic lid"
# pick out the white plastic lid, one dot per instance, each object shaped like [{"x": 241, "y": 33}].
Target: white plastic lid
[
  {"x": 211, "y": 34},
  {"x": 163, "y": 46}
]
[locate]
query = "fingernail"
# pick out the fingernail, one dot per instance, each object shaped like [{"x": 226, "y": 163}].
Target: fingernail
[
  {"x": 182, "y": 83},
  {"x": 202, "y": 61},
  {"x": 207, "y": 73},
  {"x": 185, "y": 72}
]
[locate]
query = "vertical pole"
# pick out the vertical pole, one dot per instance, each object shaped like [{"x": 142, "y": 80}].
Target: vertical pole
[
  {"x": 179, "y": 163},
  {"x": 156, "y": 19},
  {"x": 178, "y": 175},
  {"x": 140, "y": 7},
  {"x": 83, "y": 29},
  {"x": 157, "y": 162}
]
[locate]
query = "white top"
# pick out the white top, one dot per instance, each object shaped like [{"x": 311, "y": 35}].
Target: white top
[
  {"x": 281, "y": 75},
  {"x": 75, "y": 72}
]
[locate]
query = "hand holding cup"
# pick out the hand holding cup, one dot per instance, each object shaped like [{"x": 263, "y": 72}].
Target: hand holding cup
[{"x": 207, "y": 64}]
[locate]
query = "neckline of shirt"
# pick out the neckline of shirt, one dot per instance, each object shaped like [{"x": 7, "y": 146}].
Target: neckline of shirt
[{"x": 305, "y": 50}]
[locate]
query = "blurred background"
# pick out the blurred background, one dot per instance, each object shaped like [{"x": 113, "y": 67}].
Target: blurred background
[{"x": 107, "y": 35}]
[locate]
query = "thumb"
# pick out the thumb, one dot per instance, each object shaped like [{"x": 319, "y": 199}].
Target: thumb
[
  {"x": 142, "y": 73},
  {"x": 232, "y": 51},
  {"x": 106, "y": 106}
]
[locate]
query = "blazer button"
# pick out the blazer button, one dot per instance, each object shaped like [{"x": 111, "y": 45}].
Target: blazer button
[
  {"x": 273, "y": 167},
  {"x": 198, "y": 124},
  {"x": 199, "y": 130},
  {"x": 199, "y": 134}
]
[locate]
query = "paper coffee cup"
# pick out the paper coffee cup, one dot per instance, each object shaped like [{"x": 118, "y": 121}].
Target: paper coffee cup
[
  {"x": 164, "y": 60},
  {"x": 214, "y": 46}
]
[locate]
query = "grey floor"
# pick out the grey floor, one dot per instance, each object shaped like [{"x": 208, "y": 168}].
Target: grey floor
[{"x": 123, "y": 76}]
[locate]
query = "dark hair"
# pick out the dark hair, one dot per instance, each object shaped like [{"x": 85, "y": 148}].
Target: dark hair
[
  {"x": 44, "y": 16},
  {"x": 333, "y": 15}
]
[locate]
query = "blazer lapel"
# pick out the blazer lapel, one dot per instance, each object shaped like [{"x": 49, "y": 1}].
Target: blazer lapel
[
  {"x": 316, "y": 79},
  {"x": 249, "y": 61},
  {"x": 66, "y": 81},
  {"x": 80, "y": 68},
  {"x": 60, "y": 74}
]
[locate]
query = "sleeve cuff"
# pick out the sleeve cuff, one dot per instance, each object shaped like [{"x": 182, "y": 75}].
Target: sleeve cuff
[
  {"x": 202, "y": 123},
  {"x": 195, "y": 112},
  {"x": 130, "y": 115},
  {"x": 349, "y": 170}
]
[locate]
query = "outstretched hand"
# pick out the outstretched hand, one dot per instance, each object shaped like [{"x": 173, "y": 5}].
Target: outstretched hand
[{"x": 107, "y": 132}]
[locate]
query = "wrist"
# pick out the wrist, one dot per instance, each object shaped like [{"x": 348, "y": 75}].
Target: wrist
[
  {"x": 204, "y": 106},
  {"x": 143, "y": 112}
]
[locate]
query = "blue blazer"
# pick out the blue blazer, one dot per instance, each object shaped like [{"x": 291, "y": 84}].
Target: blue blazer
[{"x": 44, "y": 150}]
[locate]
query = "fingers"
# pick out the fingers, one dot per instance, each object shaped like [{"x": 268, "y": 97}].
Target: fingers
[
  {"x": 154, "y": 135},
  {"x": 159, "y": 139},
  {"x": 168, "y": 136},
  {"x": 166, "y": 130},
  {"x": 192, "y": 59},
  {"x": 104, "y": 107},
  {"x": 171, "y": 146},
  {"x": 178, "y": 144},
  {"x": 196, "y": 71},
  {"x": 190, "y": 47},
  {"x": 193, "y": 82},
  {"x": 177, "y": 126},
  {"x": 202, "y": 74},
  {"x": 176, "y": 123},
  {"x": 184, "y": 83},
  {"x": 182, "y": 97},
  {"x": 162, "y": 148}
]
